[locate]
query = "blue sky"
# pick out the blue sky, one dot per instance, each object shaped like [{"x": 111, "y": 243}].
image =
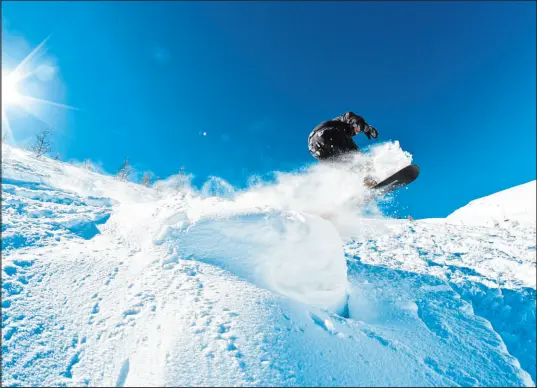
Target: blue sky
[{"x": 454, "y": 82}]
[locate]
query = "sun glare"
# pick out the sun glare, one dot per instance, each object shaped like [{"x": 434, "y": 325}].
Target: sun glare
[
  {"x": 10, "y": 91},
  {"x": 14, "y": 95}
]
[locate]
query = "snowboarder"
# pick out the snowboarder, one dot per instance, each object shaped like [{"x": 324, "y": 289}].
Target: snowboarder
[{"x": 331, "y": 140}]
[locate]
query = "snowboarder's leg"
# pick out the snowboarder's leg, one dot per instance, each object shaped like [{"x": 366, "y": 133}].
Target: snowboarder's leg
[
  {"x": 322, "y": 149},
  {"x": 370, "y": 182}
]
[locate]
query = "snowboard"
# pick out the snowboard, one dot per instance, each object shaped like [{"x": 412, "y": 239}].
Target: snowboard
[{"x": 395, "y": 181}]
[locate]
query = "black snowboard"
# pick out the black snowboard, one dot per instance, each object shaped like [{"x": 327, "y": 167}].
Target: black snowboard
[{"x": 400, "y": 179}]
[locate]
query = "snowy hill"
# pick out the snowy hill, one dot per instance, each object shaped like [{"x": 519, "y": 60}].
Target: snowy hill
[
  {"x": 503, "y": 209},
  {"x": 107, "y": 283}
]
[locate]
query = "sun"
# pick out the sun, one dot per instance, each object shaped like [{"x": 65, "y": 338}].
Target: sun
[
  {"x": 14, "y": 95},
  {"x": 10, "y": 91}
]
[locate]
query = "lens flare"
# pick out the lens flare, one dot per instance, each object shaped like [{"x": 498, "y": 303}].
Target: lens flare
[
  {"x": 14, "y": 95},
  {"x": 10, "y": 92}
]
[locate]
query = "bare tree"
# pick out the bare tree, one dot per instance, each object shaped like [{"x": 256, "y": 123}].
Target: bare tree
[
  {"x": 42, "y": 144},
  {"x": 124, "y": 171},
  {"x": 147, "y": 179}
]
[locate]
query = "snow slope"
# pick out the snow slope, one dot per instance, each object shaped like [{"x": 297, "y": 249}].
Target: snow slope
[
  {"x": 110, "y": 283},
  {"x": 506, "y": 208}
]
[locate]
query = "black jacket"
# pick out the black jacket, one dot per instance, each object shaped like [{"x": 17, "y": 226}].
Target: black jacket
[{"x": 334, "y": 137}]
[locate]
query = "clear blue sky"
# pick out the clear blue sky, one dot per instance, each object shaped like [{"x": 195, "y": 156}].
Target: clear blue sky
[{"x": 454, "y": 82}]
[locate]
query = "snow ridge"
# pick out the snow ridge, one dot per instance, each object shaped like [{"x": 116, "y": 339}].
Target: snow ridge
[{"x": 507, "y": 208}]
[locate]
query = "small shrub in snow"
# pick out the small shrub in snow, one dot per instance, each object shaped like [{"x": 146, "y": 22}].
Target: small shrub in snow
[
  {"x": 147, "y": 179},
  {"x": 124, "y": 171},
  {"x": 42, "y": 145}
]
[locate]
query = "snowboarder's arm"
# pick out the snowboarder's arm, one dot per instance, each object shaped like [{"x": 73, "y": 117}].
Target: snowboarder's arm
[
  {"x": 352, "y": 119},
  {"x": 356, "y": 121}
]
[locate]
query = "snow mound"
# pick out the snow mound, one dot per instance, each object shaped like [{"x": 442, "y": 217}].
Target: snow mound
[
  {"x": 503, "y": 209},
  {"x": 298, "y": 255}
]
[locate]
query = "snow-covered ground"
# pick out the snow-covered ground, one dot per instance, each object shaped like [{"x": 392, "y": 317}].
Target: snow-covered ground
[
  {"x": 506, "y": 208},
  {"x": 107, "y": 283}
]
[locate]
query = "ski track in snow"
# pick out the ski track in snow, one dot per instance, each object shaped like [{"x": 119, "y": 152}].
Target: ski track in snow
[{"x": 110, "y": 284}]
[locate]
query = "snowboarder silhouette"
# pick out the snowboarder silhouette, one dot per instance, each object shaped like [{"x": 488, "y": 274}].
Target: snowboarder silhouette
[{"x": 332, "y": 139}]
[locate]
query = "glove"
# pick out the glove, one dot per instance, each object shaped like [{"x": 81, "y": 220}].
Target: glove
[{"x": 371, "y": 132}]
